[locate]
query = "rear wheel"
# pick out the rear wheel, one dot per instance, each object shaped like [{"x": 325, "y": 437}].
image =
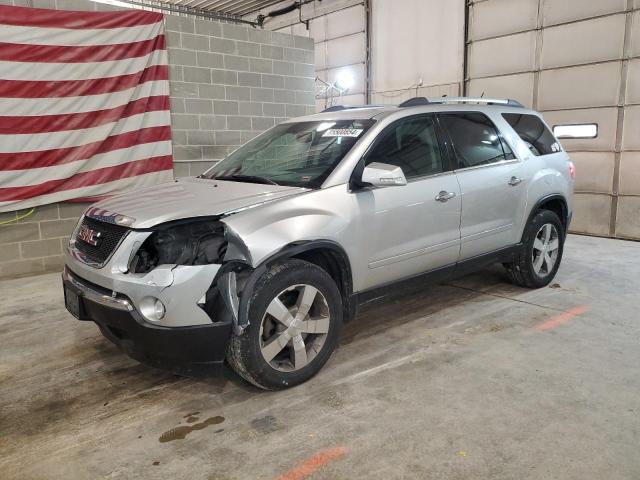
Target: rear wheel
[
  {"x": 295, "y": 316},
  {"x": 539, "y": 260}
]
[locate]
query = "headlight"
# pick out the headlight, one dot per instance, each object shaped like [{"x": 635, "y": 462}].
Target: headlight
[{"x": 197, "y": 242}]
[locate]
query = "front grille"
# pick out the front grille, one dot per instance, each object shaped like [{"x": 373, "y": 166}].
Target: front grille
[{"x": 109, "y": 238}]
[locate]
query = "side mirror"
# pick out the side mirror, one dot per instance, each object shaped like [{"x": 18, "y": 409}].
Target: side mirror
[{"x": 383, "y": 175}]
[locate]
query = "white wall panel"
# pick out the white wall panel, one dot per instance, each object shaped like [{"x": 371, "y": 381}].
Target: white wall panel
[
  {"x": 594, "y": 171},
  {"x": 633, "y": 82},
  {"x": 586, "y": 86},
  {"x": 628, "y": 219},
  {"x": 588, "y": 41},
  {"x": 591, "y": 214},
  {"x": 630, "y": 173},
  {"x": 359, "y": 76},
  {"x": 606, "y": 118},
  {"x": 630, "y": 136},
  {"x": 518, "y": 87},
  {"x": 415, "y": 39},
  {"x": 559, "y": 11},
  {"x": 510, "y": 54},
  {"x": 634, "y": 47},
  {"x": 346, "y": 50},
  {"x": 337, "y": 24},
  {"x": 500, "y": 17}
]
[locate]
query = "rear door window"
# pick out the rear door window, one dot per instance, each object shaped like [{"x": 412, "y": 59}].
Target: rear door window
[
  {"x": 475, "y": 139},
  {"x": 533, "y": 132}
]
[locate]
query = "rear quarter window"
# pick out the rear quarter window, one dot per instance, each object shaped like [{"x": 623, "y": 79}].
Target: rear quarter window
[{"x": 533, "y": 132}]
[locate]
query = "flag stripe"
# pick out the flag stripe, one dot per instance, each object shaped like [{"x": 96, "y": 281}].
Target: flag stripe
[
  {"x": 73, "y": 138},
  {"x": 88, "y": 103},
  {"x": 10, "y": 125},
  {"x": 19, "y": 52},
  {"x": 58, "y": 71},
  {"x": 76, "y": 88},
  {"x": 41, "y": 17},
  {"x": 96, "y": 176},
  {"x": 60, "y": 156},
  {"x": 34, "y": 176}
]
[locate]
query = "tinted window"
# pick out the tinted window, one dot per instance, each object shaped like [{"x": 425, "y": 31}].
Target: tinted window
[
  {"x": 533, "y": 132},
  {"x": 475, "y": 139},
  {"x": 410, "y": 144}
]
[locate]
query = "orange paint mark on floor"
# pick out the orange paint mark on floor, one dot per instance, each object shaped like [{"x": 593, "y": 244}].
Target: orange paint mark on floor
[
  {"x": 561, "y": 319},
  {"x": 313, "y": 463}
]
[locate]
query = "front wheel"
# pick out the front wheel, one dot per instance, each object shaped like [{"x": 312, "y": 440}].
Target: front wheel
[
  {"x": 295, "y": 316},
  {"x": 542, "y": 246}
]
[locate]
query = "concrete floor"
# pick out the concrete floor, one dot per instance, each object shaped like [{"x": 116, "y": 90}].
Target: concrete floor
[{"x": 474, "y": 379}]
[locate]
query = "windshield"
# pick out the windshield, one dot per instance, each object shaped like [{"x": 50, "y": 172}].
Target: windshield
[{"x": 294, "y": 154}]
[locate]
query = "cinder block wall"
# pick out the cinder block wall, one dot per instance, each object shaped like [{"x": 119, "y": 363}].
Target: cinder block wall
[{"x": 227, "y": 83}]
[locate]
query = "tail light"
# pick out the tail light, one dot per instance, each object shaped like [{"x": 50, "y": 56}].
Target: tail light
[{"x": 572, "y": 170}]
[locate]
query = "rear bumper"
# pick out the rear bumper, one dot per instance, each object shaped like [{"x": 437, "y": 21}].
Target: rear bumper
[{"x": 191, "y": 350}]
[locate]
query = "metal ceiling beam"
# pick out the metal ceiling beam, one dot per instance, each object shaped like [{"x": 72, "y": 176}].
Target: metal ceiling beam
[
  {"x": 250, "y": 8},
  {"x": 178, "y": 8}
]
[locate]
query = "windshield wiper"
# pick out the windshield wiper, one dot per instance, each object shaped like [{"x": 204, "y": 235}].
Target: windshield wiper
[{"x": 246, "y": 178}]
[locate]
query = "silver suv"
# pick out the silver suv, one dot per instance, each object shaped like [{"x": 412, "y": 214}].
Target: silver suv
[{"x": 261, "y": 259}]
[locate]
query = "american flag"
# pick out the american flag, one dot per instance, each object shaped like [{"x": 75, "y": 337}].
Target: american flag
[{"x": 84, "y": 104}]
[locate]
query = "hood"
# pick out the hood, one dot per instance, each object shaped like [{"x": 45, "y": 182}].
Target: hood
[{"x": 186, "y": 198}]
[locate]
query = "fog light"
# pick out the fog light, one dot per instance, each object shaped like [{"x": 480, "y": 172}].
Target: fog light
[{"x": 152, "y": 309}]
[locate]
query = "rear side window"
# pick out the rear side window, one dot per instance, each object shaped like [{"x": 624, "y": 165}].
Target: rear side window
[
  {"x": 475, "y": 139},
  {"x": 533, "y": 132}
]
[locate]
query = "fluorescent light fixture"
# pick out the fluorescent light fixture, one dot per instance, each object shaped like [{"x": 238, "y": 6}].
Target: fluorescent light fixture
[
  {"x": 577, "y": 130},
  {"x": 345, "y": 80}
]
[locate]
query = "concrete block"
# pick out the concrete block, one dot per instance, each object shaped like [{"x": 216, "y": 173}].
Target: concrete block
[
  {"x": 200, "y": 137},
  {"x": 198, "y": 168},
  {"x": 54, "y": 263},
  {"x": 174, "y": 39},
  {"x": 248, "y": 49},
  {"x": 208, "y": 27},
  {"x": 175, "y": 74},
  {"x": 306, "y": 98},
  {"x": 180, "y": 169},
  {"x": 236, "y": 32},
  {"x": 197, "y": 75},
  {"x": 213, "y": 122},
  {"x": 210, "y": 60},
  {"x": 225, "y": 107},
  {"x": 194, "y": 42},
  {"x": 259, "y": 36},
  {"x": 9, "y": 252},
  {"x": 223, "y": 45},
  {"x": 21, "y": 267},
  {"x": 305, "y": 43},
  {"x": 238, "y": 93},
  {"x": 272, "y": 52},
  {"x": 179, "y": 24},
  {"x": 295, "y": 110},
  {"x": 238, "y": 123},
  {"x": 226, "y": 77},
  {"x": 304, "y": 70},
  {"x": 217, "y": 152},
  {"x": 213, "y": 91},
  {"x": 272, "y": 81},
  {"x": 57, "y": 228},
  {"x": 246, "y": 136},
  {"x": 261, "y": 123},
  {"x": 273, "y": 109},
  {"x": 249, "y": 79},
  {"x": 16, "y": 232},
  {"x": 294, "y": 55},
  {"x": 198, "y": 105},
  {"x": 262, "y": 95},
  {"x": 41, "y": 248},
  {"x": 250, "y": 108},
  {"x": 179, "y": 137},
  {"x": 227, "y": 138},
  {"x": 72, "y": 209},
  {"x": 282, "y": 39},
  {"x": 284, "y": 68},
  {"x": 181, "y": 152},
  {"x": 234, "y": 62},
  {"x": 42, "y": 212},
  {"x": 177, "y": 105},
  {"x": 261, "y": 65},
  {"x": 182, "y": 89},
  {"x": 179, "y": 56},
  {"x": 185, "y": 121},
  {"x": 299, "y": 83},
  {"x": 6, "y": 216},
  {"x": 284, "y": 96}
]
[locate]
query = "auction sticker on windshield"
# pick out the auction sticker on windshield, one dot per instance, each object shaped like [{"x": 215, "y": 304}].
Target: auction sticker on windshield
[{"x": 343, "y": 132}]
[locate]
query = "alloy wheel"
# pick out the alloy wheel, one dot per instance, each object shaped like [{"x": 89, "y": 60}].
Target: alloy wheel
[{"x": 545, "y": 249}]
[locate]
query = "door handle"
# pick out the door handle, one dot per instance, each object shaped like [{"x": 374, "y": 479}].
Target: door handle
[
  {"x": 515, "y": 181},
  {"x": 444, "y": 196}
]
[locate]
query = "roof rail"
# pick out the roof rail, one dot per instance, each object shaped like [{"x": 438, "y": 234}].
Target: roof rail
[
  {"x": 337, "y": 108},
  {"x": 412, "y": 102}
]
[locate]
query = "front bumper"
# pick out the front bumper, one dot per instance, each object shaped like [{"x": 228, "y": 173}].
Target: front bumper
[{"x": 188, "y": 350}]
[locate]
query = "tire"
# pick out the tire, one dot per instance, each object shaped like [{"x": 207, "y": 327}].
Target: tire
[
  {"x": 285, "y": 284},
  {"x": 530, "y": 268}
]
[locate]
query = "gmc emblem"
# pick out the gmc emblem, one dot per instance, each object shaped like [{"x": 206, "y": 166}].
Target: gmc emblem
[{"x": 89, "y": 236}]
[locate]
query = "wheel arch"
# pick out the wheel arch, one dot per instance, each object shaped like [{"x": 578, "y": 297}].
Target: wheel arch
[{"x": 557, "y": 204}]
